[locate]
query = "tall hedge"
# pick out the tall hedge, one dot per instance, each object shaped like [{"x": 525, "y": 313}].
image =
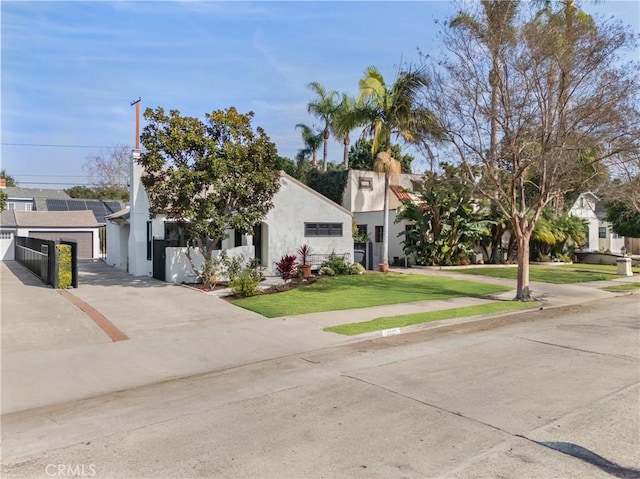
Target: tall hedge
[{"x": 64, "y": 266}]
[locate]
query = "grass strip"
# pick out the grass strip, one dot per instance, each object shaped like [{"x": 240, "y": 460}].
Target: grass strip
[
  {"x": 378, "y": 324},
  {"x": 621, "y": 288},
  {"x": 361, "y": 291},
  {"x": 544, "y": 274}
]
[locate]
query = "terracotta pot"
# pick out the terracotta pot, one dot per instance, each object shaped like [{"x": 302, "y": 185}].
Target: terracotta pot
[
  {"x": 383, "y": 267},
  {"x": 306, "y": 270}
]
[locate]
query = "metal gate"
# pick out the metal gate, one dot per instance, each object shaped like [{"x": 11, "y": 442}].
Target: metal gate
[{"x": 159, "y": 255}]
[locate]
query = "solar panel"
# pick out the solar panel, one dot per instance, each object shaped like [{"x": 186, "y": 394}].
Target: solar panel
[
  {"x": 57, "y": 205},
  {"x": 113, "y": 206},
  {"x": 76, "y": 205}
]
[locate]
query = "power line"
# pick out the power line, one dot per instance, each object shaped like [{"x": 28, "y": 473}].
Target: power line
[{"x": 64, "y": 146}]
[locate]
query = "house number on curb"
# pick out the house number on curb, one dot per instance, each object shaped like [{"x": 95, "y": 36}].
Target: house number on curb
[{"x": 390, "y": 332}]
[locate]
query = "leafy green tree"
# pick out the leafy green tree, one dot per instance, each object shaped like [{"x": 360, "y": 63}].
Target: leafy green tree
[
  {"x": 446, "y": 222},
  {"x": 388, "y": 111},
  {"x": 624, "y": 219},
  {"x": 99, "y": 192},
  {"x": 3, "y": 200},
  {"x": 209, "y": 176},
  {"x": 554, "y": 234},
  {"x": 360, "y": 157},
  {"x": 312, "y": 140},
  {"x": 10, "y": 180},
  {"x": 323, "y": 107},
  {"x": 562, "y": 90}
]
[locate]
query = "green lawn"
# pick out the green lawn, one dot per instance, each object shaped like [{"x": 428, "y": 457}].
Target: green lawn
[
  {"x": 544, "y": 274},
  {"x": 610, "y": 268},
  {"x": 379, "y": 324},
  {"x": 361, "y": 291},
  {"x": 623, "y": 287}
]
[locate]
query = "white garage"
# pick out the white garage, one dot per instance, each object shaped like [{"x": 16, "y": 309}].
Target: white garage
[
  {"x": 7, "y": 235},
  {"x": 78, "y": 226}
]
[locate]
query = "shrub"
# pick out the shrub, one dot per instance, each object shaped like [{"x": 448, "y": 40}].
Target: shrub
[
  {"x": 287, "y": 266},
  {"x": 305, "y": 252},
  {"x": 563, "y": 258},
  {"x": 326, "y": 271},
  {"x": 357, "y": 268},
  {"x": 337, "y": 264},
  {"x": 245, "y": 284},
  {"x": 64, "y": 266}
]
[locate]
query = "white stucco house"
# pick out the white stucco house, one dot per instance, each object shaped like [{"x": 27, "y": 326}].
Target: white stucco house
[
  {"x": 599, "y": 235},
  {"x": 156, "y": 247},
  {"x": 364, "y": 197}
]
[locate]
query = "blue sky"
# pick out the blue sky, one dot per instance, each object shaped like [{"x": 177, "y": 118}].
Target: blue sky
[{"x": 70, "y": 69}]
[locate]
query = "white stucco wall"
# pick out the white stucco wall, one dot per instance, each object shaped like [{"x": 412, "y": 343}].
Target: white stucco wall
[
  {"x": 117, "y": 244},
  {"x": 585, "y": 208},
  {"x": 284, "y": 232},
  {"x": 7, "y": 244},
  {"x": 373, "y": 219},
  {"x": 138, "y": 217},
  {"x": 179, "y": 270},
  {"x": 357, "y": 199}
]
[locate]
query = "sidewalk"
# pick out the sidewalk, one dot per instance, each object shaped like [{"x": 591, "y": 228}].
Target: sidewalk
[{"x": 172, "y": 332}]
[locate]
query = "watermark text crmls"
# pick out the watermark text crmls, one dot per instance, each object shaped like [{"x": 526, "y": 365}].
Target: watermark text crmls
[{"x": 70, "y": 470}]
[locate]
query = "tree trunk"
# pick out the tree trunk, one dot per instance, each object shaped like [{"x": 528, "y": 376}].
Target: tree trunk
[
  {"x": 345, "y": 155},
  {"x": 523, "y": 293},
  {"x": 385, "y": 221},
  {"x": 325, "y": 150}
]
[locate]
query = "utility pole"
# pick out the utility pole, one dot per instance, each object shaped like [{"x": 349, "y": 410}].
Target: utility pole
[{"x": 137, "y": 104}]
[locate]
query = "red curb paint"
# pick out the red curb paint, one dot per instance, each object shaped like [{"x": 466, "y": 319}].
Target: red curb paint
[{"x": 103, "y": 323}]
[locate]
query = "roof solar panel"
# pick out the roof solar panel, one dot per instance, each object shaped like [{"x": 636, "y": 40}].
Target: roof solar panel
[
  {"x": 77, "y": 205},
  {"x": 57, "y": 205},
  {"x": 113, "y": 206}
]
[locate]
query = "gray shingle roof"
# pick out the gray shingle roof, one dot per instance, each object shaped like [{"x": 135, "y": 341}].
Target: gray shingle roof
[
  {"x": 7, "y": 219},
  {"x": 56, "y": 219},
  {"x": 19, "y": 192}
]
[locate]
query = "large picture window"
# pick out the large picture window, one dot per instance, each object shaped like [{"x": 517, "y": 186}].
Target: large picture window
[{"x": 323, "y": 229}]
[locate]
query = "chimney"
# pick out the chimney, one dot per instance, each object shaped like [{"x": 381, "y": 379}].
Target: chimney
[{"x": 3, "y": 182}]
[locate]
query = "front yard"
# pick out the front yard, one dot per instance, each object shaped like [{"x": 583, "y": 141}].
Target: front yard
[{"x": 361, "y": 291}]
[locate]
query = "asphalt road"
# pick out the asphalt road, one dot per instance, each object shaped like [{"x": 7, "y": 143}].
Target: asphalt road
[{"x": 552, "y": 393}]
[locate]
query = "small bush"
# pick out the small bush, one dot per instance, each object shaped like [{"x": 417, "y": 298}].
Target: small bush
[
  {"x": 64, "y": 266},
  {"x": 326, "y": 271},
  {"x": 337, "y": 264},
  {"x": 287, "y": 266},
  {"x": 357, "y": 268},
  {"x": 245, "y": 284},
  {"x": 563, "y": 258}
]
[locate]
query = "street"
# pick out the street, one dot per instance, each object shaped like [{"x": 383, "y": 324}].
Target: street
[{"x": 548, "y": 393}]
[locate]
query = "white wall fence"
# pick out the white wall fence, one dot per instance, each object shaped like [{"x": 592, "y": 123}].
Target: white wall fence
[{"x": 178, "y": 268}]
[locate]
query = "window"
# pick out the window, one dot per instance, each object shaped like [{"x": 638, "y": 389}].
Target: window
[
  {"x": 149, "y": 239},
  {"x": 174, "y": 235},
  {"x": 602, "y": 232},
  {"x": 365, "y": 183},
  {"x": 237, "y": 238},
  {"x": 28, "y": 207},
  {"x": 323, "y": 229},
  {"x": 379, "y": 234},
  {"x": 11, "y": 206}
]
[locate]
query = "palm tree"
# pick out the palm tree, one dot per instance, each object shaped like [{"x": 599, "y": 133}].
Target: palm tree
[
  {"x": 388, "y": 111},
  {"x": 323, "y": 107},
  {"x": 344, "y": 121},
  {"x": 312, "y": 140},
  {"x": 494, "y": 30}
]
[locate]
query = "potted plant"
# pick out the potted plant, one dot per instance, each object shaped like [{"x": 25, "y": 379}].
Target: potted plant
[{"x": 305, "y": 255}]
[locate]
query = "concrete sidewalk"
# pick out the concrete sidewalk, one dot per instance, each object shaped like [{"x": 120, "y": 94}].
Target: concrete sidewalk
[{"x": 173, "y": 332}]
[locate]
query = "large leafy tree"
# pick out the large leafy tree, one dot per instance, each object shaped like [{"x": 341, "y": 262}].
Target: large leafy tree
[
  {"x": 624, "y": 219},
  {"x": 209, "y": 176},
  {"x": 361, "y": 158},
  {"x": 446, "y": 221},
  {"x": 563, "y": 93},
  {"x": 388, "y": 112},
  {"x": 323, "y": 107}
]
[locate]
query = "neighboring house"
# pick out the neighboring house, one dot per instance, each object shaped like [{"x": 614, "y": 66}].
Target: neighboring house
[
  {"x": 79, "y": 226},
  {"x": 364, "y": 197},
  {"x": 7, "y": 233},
  {"x": 31, "y": 199},
  {"x": 599, "y": 235},
  {"x": 156, "y": 247}
]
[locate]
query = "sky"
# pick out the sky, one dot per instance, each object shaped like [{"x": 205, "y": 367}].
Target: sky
[{"x": 70, "y": 70}]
